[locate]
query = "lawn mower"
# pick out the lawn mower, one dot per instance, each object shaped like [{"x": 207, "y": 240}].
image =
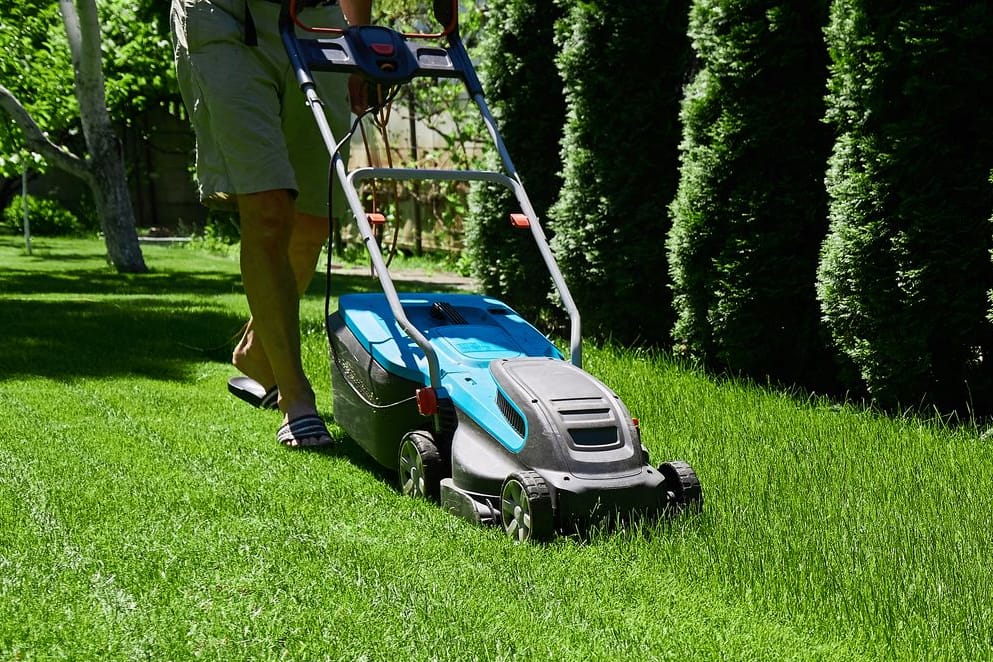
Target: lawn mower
[{"x": 459, "y": 395}]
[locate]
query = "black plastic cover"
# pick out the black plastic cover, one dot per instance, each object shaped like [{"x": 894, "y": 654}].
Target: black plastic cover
[
  {"x": 374, "y": 407},
  {"x": 574, "y": 422}
]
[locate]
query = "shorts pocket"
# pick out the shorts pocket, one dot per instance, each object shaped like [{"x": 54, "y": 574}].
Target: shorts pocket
[{"x": 207, "y": 23}]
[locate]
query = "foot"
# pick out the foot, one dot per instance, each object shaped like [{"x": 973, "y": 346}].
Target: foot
[
  {"x": 250, "y": 359},
  {"x": 304, "y": 432}
]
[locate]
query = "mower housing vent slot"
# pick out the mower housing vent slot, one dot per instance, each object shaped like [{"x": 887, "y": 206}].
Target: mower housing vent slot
[
  {"x": 584, "y": 410},
  {"x": 590, "y": 422},
  {"x": 594, "y": 438},
  {"x": 443, "y": 310},
  {"x": 511, "y": 414}
]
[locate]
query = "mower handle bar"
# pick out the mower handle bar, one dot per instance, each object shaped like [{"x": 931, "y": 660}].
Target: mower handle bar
[
  {"x": 351, "y": 56},
  {"x": 515, "y": 186},
  {"x": 429, "y": 174}
]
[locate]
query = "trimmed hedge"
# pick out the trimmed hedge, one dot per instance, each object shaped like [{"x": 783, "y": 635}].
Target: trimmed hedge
[
  {"x": 751, "y": 210},
  {"x": 905, "y": 272},
  {"x": 525, "y": 94},
  {"x": 624, "y": 64}
]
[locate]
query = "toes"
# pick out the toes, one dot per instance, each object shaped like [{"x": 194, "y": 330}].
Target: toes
[{"x": 304, "y": 432}]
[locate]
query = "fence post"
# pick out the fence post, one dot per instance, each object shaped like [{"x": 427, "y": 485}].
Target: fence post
[{"x": 24, "y": 207}]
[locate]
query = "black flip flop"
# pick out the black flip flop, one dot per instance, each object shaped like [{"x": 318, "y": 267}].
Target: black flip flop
[
  {"x": 304, "y": 432},
  {"x": 252, "y": 392}
]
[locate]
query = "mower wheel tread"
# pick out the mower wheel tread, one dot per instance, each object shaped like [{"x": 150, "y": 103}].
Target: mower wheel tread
[
  {"x": 420, "y": 466},
  {"x": 526, "y": 507},
  {"x": 682, "y": 486}
]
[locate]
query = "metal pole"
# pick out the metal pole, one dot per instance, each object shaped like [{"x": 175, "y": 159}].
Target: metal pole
[
  {"x": 575, "y": 334},
  {"x": 415, "y": 185},
  {"x": 24, "y": 206}
]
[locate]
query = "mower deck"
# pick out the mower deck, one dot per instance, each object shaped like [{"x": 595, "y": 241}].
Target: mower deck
[{"x": 510, "y": 407}]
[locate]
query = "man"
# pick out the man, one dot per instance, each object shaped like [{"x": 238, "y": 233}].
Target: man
[{"x": 259, "y": 151}]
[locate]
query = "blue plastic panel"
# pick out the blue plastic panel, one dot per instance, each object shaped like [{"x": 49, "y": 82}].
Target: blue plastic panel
[{"x": 491, "y": 331}]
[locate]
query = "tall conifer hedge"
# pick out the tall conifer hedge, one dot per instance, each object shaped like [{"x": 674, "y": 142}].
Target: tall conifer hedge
[
  {"x": 525, "y": 94},
  {"x": 623, "y": 63},
  {"x": 906, "y": 268},
  {"x": 751, "y": 210}
]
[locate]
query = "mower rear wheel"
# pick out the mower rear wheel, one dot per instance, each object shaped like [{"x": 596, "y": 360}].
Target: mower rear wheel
[
  {"x": 526, "y": 507},
  {"x": 682, "y": 487},
  {"x": 420, "y": 466}
]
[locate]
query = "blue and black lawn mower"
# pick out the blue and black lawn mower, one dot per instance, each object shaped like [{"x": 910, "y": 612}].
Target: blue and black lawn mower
[{"x": 465, "y": 400}]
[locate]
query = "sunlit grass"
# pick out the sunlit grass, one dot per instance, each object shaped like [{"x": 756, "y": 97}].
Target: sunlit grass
[{"x": 144, "y": 513}]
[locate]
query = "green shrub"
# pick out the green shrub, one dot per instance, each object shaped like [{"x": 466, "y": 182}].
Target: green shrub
[
  {"x": 222, "y": 226},
  {"x": 221, "y": 232},
  {"x": 623, "y": 63},
  {"x": 905, "y": 272},
  {"x": 525, "y": 92},
  {"x": 46, "y": 217},
  {"x": 751, "y": 210}
]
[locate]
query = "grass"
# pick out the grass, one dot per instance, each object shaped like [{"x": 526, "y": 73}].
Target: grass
[{"x": 145, "y": 514}]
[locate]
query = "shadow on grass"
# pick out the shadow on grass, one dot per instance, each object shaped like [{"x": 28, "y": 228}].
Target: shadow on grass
[
  {"x": 103, "y": 282},
  {"x": 347, "y": 448},
  {"x": 95, "y": 323},
  {"x": 144, "y": 336}
]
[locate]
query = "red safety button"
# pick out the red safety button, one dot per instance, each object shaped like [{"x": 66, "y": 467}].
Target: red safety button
[
  {"x": 427, "y": 401},
  {"x": 520, "y": 221},
  {"x": 382, "y": 49}
]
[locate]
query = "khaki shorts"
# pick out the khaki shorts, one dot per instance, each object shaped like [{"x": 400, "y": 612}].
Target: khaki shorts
[{"x": 254, "y": 129}]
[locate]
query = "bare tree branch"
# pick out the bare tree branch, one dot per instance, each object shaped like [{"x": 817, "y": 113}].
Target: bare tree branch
[{"x": 36, "y": 141}]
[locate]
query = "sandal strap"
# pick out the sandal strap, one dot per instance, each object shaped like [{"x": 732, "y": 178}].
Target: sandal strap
[
  {"x": 305, "y": 427},
  {"x": 271, "y": 399}
]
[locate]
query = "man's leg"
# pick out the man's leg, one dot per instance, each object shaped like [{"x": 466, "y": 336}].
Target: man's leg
[
  {"x": 273, "y": 296},
  {"x": 307, "y": 239}
]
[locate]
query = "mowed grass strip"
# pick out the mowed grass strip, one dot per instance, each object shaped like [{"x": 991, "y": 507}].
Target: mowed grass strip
[{"x": 144, "y": 513}]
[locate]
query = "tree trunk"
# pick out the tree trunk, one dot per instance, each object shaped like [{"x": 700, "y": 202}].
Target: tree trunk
[
  {"x": 108, "y": 182},
  {"x": 107, "y": 179}
]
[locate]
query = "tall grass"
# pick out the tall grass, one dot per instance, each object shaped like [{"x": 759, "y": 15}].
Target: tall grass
[
  {"x": 879, "y": 526},
  {"x": 145, "y": 514}
]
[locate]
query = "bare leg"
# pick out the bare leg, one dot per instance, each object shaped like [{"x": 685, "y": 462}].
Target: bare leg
[
  {"x": 267, "y": 220},
  {"x": 307, "y": 239}
]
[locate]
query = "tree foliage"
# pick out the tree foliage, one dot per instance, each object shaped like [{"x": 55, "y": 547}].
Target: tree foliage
[
  {"x": 623, "y": 63},
  {"x": 750, "y": 212},
  {"x": 905, "y": 271},
  {"x": 105, "y": 63},
  {"x": 36, "y": 67},
  {"x": 525, "y": 92}
]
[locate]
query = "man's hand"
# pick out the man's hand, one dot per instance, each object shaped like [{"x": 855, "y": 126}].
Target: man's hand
[
  {"x": 357, "y": 12},
  {"x": 358, "y": 93}
]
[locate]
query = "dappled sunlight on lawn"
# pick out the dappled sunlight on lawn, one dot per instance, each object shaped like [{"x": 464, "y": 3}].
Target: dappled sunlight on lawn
[{"x": 67, "y": 314}]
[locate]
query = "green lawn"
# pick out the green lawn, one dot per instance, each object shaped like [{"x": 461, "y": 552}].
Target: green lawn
[{"x": 146, "y": 514}]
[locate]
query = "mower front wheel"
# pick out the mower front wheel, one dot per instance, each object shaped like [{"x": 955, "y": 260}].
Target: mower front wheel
[
  {"x": 420, "y": 466},
  {"x": 682, "y": 487},
  {"x": 526, "y": 507}
]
